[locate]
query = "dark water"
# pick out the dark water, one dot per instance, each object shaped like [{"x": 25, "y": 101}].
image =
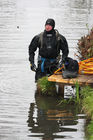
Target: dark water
[
  {"x": 23, "y": 115},
  {"x": 48, "y": 121}
]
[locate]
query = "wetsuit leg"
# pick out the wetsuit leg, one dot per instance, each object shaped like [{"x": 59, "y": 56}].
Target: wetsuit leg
[{"x": 39, "y": 74}]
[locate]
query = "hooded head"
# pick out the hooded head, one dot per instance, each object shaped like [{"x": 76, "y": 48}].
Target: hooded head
[{"x": 50, "y": 22}]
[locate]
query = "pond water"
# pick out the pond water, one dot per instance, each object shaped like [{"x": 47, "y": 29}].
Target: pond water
[{"x": 23, "y": 114}]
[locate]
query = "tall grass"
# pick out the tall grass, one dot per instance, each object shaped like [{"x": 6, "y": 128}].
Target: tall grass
[
  {"x": 89, "y": 131},
  {"x": 87, "y": 107},
  {"x": 46, "y": 87},
  {"x": 77, "y": 92},
  {"x": 87, "y": 101}
]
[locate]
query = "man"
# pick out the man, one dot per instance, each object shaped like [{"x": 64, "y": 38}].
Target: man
[{"x": 49, "y": 42}]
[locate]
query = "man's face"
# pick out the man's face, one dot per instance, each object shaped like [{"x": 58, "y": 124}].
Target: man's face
[{"x": 48, "y": 27}]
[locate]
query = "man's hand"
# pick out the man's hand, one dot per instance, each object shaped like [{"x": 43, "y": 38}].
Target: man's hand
[{"x": 33, "y": 67}]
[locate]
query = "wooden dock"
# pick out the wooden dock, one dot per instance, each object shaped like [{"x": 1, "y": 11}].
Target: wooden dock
[{"x": 81, "y": 79}]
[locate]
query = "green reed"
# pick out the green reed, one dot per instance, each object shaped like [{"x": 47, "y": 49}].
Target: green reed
[{"x": 46, "y": 87}]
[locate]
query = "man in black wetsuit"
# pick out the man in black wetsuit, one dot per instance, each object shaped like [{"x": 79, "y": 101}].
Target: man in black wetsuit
[{"x": 49, "y": 42}]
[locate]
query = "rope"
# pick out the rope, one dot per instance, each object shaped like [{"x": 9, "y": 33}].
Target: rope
[
  {"x": 59, "y": 70},
  {"x": 86, "y": 66}
]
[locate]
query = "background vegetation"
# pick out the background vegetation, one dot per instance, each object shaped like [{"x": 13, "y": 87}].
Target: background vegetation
[{"x": 85, "y": 46}]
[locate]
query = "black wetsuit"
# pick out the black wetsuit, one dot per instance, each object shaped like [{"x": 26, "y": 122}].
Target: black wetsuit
[{"x": 49, "y": 49}]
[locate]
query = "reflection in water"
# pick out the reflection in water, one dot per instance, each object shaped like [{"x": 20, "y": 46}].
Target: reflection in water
[
  {"x": 48, "y": 120},
  {"x": 81, "y": 4}
]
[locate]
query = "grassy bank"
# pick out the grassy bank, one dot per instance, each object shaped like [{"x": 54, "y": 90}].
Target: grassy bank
[
  {"x": 85, "y": 51},
  {"x": 87, "y": 107},
  {"x": 87, "y": 101}
]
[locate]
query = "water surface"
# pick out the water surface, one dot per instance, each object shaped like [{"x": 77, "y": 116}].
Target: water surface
[{"x": 24, "y": 116}]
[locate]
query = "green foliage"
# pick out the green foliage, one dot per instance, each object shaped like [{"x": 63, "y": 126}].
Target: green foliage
[
  {"x": 89, "y": 131},
  {"x": 87, "y": 106},
  {"x": 66, "y": 101},
  {"x": 77, "y": 92},
  {"x": 87, "y": 101},
  {"x": 45, "y": 87},
  {"x": 90, "y": 128}
]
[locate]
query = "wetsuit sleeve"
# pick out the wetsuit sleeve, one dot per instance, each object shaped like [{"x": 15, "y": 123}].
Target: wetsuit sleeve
[
  {"x": 64, "y": 47},
  {"x": 32, "y": 48}
]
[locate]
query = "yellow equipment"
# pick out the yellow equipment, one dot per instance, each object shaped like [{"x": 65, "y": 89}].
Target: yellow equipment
[
  {"x": 86, "y": 66},
  {"x": 59, "y": 70}
]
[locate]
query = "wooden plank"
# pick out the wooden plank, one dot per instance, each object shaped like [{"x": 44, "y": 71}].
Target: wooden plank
[
  {"x": 90, "y": 80},
  {"x": 81, "y": 79}
]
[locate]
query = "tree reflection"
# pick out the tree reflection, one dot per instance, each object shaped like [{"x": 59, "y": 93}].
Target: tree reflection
[
  {"x": 80, "y": 3},
  {"x": 46, "y": 119}
]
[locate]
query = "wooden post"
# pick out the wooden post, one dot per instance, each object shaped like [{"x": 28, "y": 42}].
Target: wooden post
[{"x": 61, "y": 89}]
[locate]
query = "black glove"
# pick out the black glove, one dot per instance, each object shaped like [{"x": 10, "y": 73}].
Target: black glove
[{"x": 33, "y": 67}]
